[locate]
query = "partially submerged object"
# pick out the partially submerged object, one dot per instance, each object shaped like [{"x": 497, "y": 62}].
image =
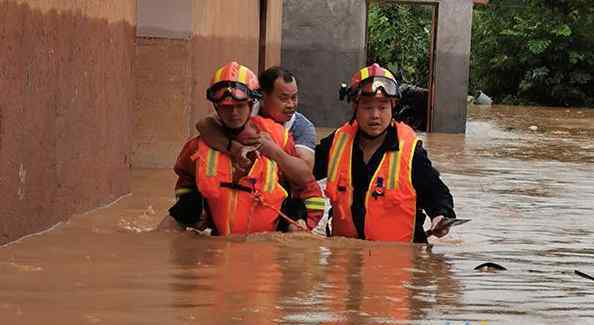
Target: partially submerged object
[
  {"x": 494, "y": 267},
  {"x": 449, "y": 222},
  {"x": 490, "y": 267},
  {"x": 584, "y": 275},
  {"x": 482, "y": 99}
]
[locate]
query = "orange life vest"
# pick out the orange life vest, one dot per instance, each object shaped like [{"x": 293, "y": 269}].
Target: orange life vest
[
  {"x": 390, "y": 202},
  {"x": 251, "y": 204}
]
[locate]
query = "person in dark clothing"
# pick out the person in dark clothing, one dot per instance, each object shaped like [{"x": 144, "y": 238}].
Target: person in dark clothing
[
  {"x": 412, "y": 107},
  {"x": 379, "y": 176}
]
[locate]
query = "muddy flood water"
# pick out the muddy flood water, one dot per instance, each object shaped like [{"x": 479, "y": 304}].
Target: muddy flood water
[{"x": 523, "y": 175}]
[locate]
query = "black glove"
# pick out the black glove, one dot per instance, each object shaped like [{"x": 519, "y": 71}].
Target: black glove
[
  {"x": 187, "y": 209},
  {"x": 294, "y": 209}
]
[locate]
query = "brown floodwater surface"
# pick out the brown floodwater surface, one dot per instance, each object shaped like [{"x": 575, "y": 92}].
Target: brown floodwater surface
[{"x": 523, "y": 175}]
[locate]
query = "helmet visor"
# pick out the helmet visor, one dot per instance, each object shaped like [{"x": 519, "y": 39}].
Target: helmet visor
[
  {"x": 234, "y": 90},
  {"x": 370, "y": 87}
]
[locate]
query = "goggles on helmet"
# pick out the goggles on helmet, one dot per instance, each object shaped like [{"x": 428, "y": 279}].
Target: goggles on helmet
[
  {"x": 235, "y": 90},
  {"x": 370, "y": 87}
]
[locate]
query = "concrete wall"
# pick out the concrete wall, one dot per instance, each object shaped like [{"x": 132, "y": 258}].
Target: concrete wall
[
  {"x": 162, "y": 107},
  {"x": 82, "y": 98},
  {"x": 66, "y": 92},
  {"x": 223, "y": 31},
  {"x": 229, "y": 30},
  {"x": 452, "y": 62},
  {"x": 274, "y": 30},
  {"x": 166, "y": 19},
  {"x": 323, "y": 44},
  {"x": 172, "y": 75}
]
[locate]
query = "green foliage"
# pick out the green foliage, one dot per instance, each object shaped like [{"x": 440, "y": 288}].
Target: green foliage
[
  {"x": 523, "y": 51},
  {"x": 399, "y": 37},
  {"x": 534, "y": 51},
  {"x": 538, "y": 46}
]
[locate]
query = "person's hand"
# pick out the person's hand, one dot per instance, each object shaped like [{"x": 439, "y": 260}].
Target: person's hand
[
  {"x": 268, "y": 147},
  {"x": 437, "y": 228},
  {"x": 239, "y": 155},
  {"x": 294, "y": 228},
  {"x": 249, "y": 136}
]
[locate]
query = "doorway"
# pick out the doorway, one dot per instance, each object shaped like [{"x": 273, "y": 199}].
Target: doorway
[{"x": 401, "y": 37}]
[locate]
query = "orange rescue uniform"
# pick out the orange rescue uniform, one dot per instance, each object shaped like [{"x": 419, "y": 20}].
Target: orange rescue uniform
[
  {"x": 390, "y": 201},
  {"x": 251, "y": 203}
]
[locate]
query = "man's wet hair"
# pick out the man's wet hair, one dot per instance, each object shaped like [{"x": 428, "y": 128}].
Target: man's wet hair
[{"x": 269, "y": 76}]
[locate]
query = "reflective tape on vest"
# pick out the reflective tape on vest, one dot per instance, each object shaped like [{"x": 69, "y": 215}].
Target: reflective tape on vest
[
  {"x": 269, "y": 180},
  {"x": 285, "y": 138},
  {"x": 212, "y": 160},
  {"x": 410, "y": 162},
  {"x": 181, "y": 191},
  {"x": 337, "y": 155},
  {"x": 315, "y": 203},
  {"x": 394, "y": 168}
]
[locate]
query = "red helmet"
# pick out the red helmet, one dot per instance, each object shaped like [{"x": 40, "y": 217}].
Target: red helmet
[
  {"x": 368, "y": 81},
  {"x": 232, "y": 83}
]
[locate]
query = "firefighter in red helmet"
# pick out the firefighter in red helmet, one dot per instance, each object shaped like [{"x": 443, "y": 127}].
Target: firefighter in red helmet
[
  {"x": 379, "y": 177},
  {"x": 240, "y": 201}
]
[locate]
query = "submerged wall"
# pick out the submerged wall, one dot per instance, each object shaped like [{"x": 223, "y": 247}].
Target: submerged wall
[
  {"x": 66, "y": 92},
  {"x": 83, "y": 97}
]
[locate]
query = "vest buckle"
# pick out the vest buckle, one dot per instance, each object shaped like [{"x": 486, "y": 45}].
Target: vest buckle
[{"x": 379, "y": 188}]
